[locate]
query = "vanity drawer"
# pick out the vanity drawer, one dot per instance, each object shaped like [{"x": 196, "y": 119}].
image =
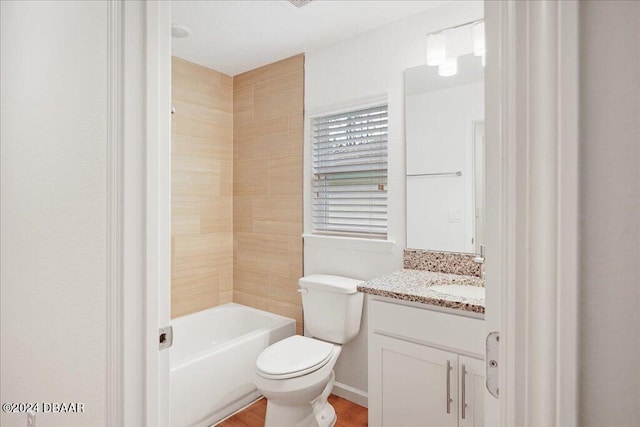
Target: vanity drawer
[{"x": 445, "y": 330}]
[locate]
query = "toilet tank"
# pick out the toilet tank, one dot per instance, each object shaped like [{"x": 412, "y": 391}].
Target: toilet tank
[{"x": 332, "y": 307}]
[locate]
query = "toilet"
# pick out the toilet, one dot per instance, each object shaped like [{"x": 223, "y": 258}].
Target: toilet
[{"x": 296, "y": 374}]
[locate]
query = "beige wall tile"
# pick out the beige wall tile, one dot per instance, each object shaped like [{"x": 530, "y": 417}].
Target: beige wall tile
[
  {"x": 262, "y": 253},
  {"x": 277, "y": 216},
  {"x": 282, "y": 308},
  {"x": 182, "y": 67},
  {"x": 267, "y": 215},
  {"x": 285, "y": 186},
  {"x": 284, "y": 289},
  {"x": 193, "y": 293},
  {"x": 296, "y": 133},
  {"x": 295, "y": 245},
  {"x": 250, "y": 177},
  {"x": 185, "y": 218},
  {"x": 202, "y": 129},
  {"x": 195, "y": 164},
  {"x": 286, "y": 166},
  {"x": 202, "y": 201},
  {"x": 295, "y": 265},
  {"x": 203, "y": 253},
  {"x": 216, "y": 96},
  {"x": 193, "y": 146},
  {"x": 184, "y": 86},
  {"x": 293, "y": 311},
  {"x": 243, "y": 214},
  {"x": 242, "y": 106},
  {"x": 280, "y": 96},
  {"x": 173, "y": 257},
  {"x": 226, "y": 297},
  {"x": 262, "y": 139},
  {"x": 194, "y": 186},
  {"x": 226, "y": 80},
  {"x": 286, "y": 66},
  {"x": 226, "y": 178},
  {"x": 261, "y": 303},
  {"x": 187, "y": 109},
  {"x": 216, "y": 215},
  {"x": 251, "y": 282},
  {"x": 225, "y": 281}
]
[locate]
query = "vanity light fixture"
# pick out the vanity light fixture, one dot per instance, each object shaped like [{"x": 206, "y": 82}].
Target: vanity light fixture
[
  {"x": 477, "y": 35},
  {"x": 436, "y": 48},
  {"x": 479, "y": 44},
  {"x": 448, "y": 68},
  {"x": 444, "y": 53}
]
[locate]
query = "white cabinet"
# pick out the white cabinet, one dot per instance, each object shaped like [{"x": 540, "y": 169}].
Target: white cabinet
[
  {"x": 471, "y": 386},
  {"x": 417, "y": 385},
  {"x": 420, "y": 372}
]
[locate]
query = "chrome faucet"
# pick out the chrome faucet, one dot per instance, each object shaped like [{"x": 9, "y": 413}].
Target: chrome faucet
[{"x": 479, "y": 258}]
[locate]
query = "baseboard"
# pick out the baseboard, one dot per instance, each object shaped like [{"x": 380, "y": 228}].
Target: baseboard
[{"x": 352, "y": 394}]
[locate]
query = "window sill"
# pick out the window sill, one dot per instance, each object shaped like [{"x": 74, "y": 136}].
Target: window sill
[{"x": 356, "y": 243}]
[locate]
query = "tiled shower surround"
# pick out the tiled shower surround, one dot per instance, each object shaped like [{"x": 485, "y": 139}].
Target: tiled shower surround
[
  {"x": 237, "y": 187},
  {"x": 268, "y": 105}
]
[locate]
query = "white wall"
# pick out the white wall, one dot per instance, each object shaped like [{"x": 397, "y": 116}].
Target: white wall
[
  {"x": 53, "y": 208},
  {"x": 348, "y": 74},
  {"x": 439, "y": 139},
  {"x": 610, "y": 214}
]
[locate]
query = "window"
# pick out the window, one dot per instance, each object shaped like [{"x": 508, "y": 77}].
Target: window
[{"x": 350, "y": 173}]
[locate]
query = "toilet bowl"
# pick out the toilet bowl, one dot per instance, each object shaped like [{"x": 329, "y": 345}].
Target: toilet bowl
[
  {"x": 296, "y": 374},
  {"x": 296, "y": 377}
]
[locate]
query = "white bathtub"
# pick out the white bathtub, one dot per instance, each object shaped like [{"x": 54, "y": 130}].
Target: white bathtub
[{"x": 213, "y": 359}]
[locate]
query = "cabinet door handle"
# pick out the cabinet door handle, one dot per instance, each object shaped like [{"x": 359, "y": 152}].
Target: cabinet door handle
[
  {"x": 464, "y": 392},
  {"x": 448, "y": 387}
]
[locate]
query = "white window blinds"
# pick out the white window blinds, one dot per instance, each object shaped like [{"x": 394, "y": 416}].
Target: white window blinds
[{"x": 350, "y": 173}]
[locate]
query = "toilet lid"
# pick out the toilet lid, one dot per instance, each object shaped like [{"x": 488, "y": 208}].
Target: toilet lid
[{"x": 294, "y": 356}]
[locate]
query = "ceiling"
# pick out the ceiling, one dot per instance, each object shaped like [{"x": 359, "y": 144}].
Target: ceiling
[{"x": 238, "y": 36}]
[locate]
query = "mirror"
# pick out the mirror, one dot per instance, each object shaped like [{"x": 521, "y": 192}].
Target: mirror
[{"x": 444, "y": 123}]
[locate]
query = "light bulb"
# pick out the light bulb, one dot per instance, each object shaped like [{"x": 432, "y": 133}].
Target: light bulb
[
  {"x": 477, "y": 35},
  {"x": 448, "y": 68},
  {"x": 436, "y": 49}
]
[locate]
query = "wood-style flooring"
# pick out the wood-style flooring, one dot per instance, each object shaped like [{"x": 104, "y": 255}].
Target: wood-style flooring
[{"x": 349, "y": 414}]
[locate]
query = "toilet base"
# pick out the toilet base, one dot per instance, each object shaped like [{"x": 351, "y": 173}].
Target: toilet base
[
  {"x": 299, "y": 416},
  {"x": 328, "y": 416}
]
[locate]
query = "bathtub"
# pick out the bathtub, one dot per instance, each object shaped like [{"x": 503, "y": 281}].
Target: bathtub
[{"x": 213, "y": 359}]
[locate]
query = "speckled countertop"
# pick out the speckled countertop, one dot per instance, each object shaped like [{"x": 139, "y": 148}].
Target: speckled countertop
[{"x": 417, "y": 286}]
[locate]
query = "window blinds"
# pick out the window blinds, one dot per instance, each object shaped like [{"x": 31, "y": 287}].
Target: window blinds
[{"x": 350, "y": 173}]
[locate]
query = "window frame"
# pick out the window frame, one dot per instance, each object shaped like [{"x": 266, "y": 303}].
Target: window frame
[{"x": 353, "y": 235}]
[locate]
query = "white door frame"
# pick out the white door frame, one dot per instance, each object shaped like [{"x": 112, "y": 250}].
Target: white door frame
[
  {"x": 139, "y": 216},
  {"x": 532, "y": 211},
  {"x": 115, "y": 232},
  {"x": 532, "y": 198},
  {"x": 158, "y": 208}
]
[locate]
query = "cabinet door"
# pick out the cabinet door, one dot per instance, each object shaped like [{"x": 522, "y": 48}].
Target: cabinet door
[
  {"x": 472, "y": 385},
  {"x": 412, "y": 385}
]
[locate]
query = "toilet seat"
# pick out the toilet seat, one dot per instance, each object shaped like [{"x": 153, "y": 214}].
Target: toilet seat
[{"x": 293, "y": 357}]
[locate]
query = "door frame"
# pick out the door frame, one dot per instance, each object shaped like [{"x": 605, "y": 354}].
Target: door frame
[
  {"x": 532, "y": 191},
  {"x": 532, "y": 209},
  {"x": 139, "y": 212},
  {"x": 158, "y": 208}
]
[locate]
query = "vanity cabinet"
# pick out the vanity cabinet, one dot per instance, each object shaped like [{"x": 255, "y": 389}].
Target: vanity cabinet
[
  {"x": 472, "y": 388},
  {"x": 416, "y": 377}
]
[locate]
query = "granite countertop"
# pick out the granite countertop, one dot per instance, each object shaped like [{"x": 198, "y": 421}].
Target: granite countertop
[{"x": 429, "y": 287}]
